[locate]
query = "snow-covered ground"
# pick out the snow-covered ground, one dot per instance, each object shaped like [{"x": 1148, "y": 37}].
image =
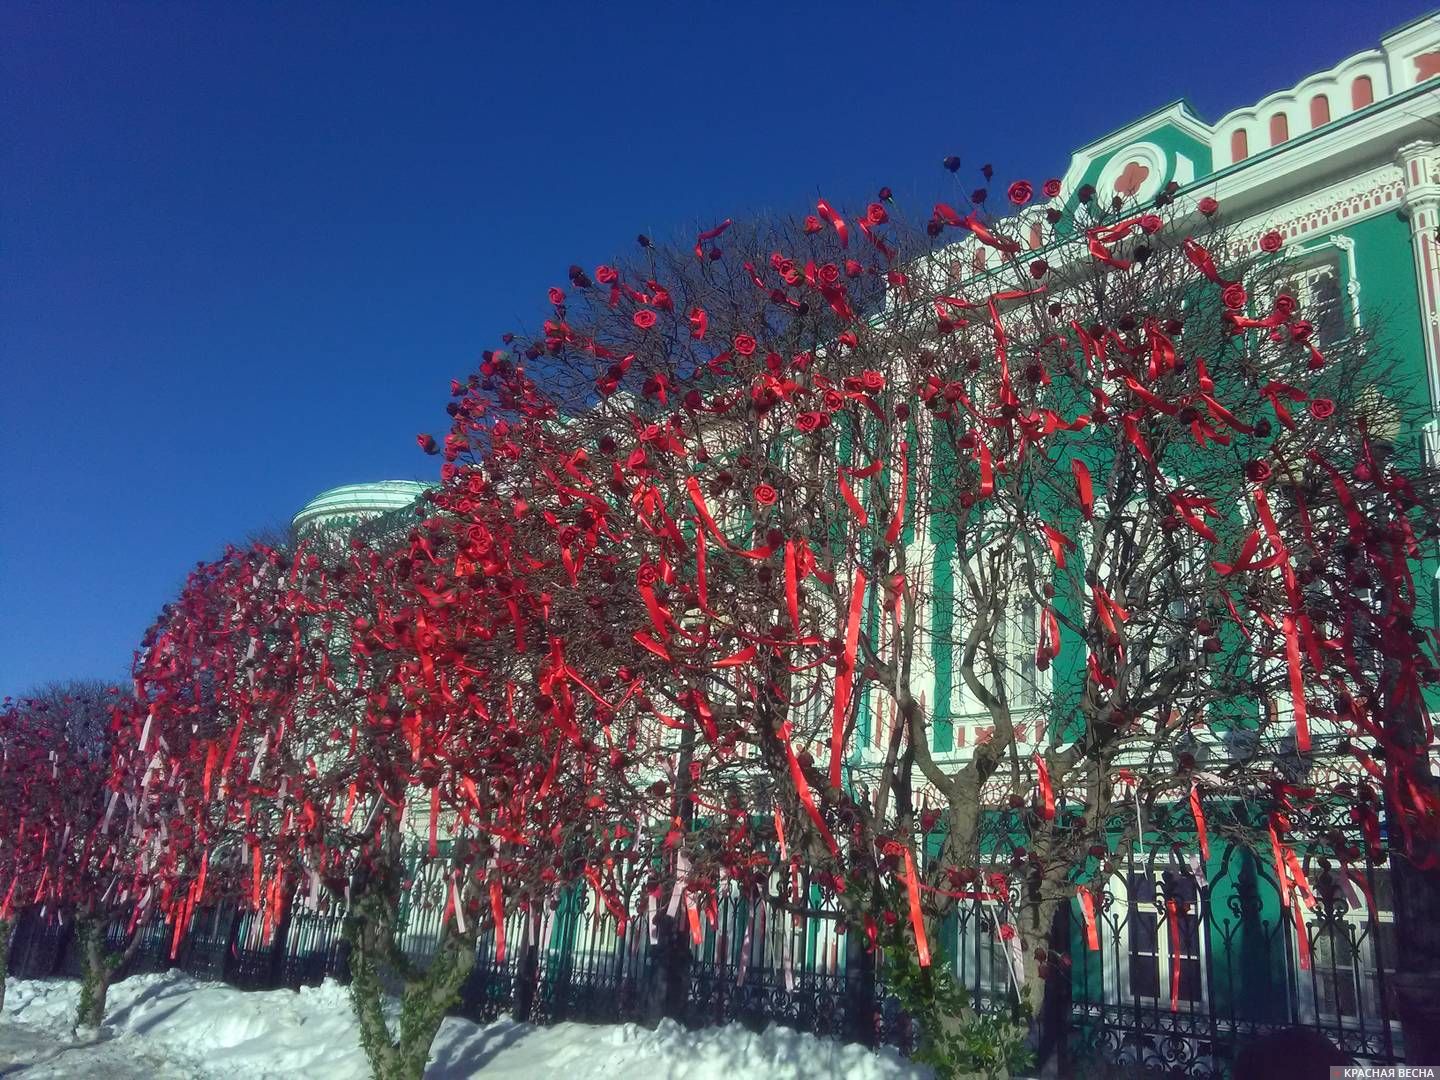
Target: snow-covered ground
[{"x": 169, "y": 1027}]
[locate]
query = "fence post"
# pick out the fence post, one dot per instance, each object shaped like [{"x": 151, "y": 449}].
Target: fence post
[
  {"x": 278, "y": 949},
  {"x": 860, "y": 1003}
]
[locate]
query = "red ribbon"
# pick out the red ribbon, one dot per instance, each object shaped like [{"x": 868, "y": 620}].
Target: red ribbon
[
  {"x": 1087, "y": 910},
  {"x": 1047, "y": 792},
  {"x": 1084, "y": 487},
  {"x": 845, "y": 680},
  {"x": 897, "y": 522},
  {"x": 1199, "y": 815}
]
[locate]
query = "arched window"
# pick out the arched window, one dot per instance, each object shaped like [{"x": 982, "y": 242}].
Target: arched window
[
  {"x": 1362, "y": 92},
  {"x": 977, "y": 260},
  {"x": 1319, "y": 110},
  {"x": 1239, "y": 145},
  {"x": 1034, "y": 235},
  {"x": 1279, "y": 128}
]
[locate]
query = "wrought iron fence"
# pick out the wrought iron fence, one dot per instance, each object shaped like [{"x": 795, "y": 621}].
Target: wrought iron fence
[{"x": 1187, "y": 967}]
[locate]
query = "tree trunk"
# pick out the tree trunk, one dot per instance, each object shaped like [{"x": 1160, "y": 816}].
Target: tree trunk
[
  {"x": 425, "y": 1000},
  {"x": 96, "y": 970},
  {"x": 7, "y": 931}
]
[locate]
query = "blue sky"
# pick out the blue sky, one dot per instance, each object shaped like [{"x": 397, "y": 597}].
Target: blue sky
[{"x": 244, "y": 247}]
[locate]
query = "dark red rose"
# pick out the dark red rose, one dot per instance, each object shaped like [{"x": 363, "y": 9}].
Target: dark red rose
[
  {"x": 427, "y": 443},
  {"x": 1300, "y": 330},
  {"x": 872, "y": 381},
  {"x": 606, "y": 275},
  {"x": 853, "y": 269},
  {"x": 1258, "y": 471},
  {"x": 1039, "y": 268},
  {"x": 1271, "y": 241},
  {"x": 1285, "y": 305},
  {"x": 875, "y": 214},
  {"x": 1234, "y": 296},
  {"x": 952, "y": 163},
  {"x": 833, "y": 400},
  {"x": 809, "y": 422},
  {"x": 885, "y": 194},
  {"x": 766, "y": 495},
  {"x": 1322, "y": 408},
  {"x": 1051, "y": 188},
  {"x": 1207, "y": 206},
  {"x": 744, "y": 344},
  {"x": 644, "y": 318},
  {"x": 1086, "y": 193},
  {"x": 978, "y": 195},
  {"x": 829, "y": 274},
  {"x": 1052, "y": 215},
  {"x": 812, "y": 224},
  {"x": 1151, "y": 223},
  {"x": 557, "y": 296},
  {"x": 647, "y": 576}
]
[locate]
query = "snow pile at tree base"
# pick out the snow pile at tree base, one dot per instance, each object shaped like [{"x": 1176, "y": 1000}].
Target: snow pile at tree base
[{"x": 170, "y": 1025}]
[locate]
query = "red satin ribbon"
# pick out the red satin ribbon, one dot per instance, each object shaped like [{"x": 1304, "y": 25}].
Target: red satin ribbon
[
  {"x": 1087, "y": 910},
  {"x": 802, "y": 788},
  {"x": 917, "y": 919},
  {"x": 845, "y": 680},
  {"x": 1199, "y": 814},
  {"x": 1047, "y": 792},
  {"x": 1083, "y": 487},
  {"x": 897, "y": 521}
]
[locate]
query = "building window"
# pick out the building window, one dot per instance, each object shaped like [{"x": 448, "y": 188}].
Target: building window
[
  {"x": 1159, "y": 901},
  {"x": 1319, "y": 110},
  {"x": 1239, "y": 145},
  {"x": 1316, "y": 288},
  {"x": 981, "y": 961},
  {"x": 1350, "y": 954},
  {"x": 1279, "y": 129},
  {"x": 1362, "y": 92},
  {"x": 1034, "y": 235}
]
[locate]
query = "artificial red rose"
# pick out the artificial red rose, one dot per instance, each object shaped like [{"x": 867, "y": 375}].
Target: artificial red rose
[
  {"x": 833, "y": 400},
  {"x": 647, "y": 576},
  {"x": 829, "y": 274},
  {"x": 1285, "y": 305},
  {"x": 1051, "y": 188},
  {"x": 809, "y": 422},
  {"x": 978, "y": 196},
  {"x": 849, "y": 339},
  {"x": 1207, "y": 206},
  {"x": 606, "y": 275},
  {"x": 1322, "y": 408},
  {"x": 479, "y": 537},
  {"x": 875, "y": 214},
  {"x": 1258, "y": 471},
  {"x": 567, "y": 536},
  {"x": 951, "y": 163},
  {"x": 885, "y": 194},
  {"x": 1151, "y": 223},
  {"x": 812, "y": 224},
  {"x": 744, "y": 344},
  {"x": 872, "y": 381},
  {"x": 1271, "y": 241},
  {"x": 427, "y": 443},
  {"x": 1300, "y": 330},
  {"x": 644, "y": 318},
  {"x": 897, "y": 279},
  {"x": 1234, "y": 296},
  {"x": 1020, "y": 192},
  {"x": 1039, "y": 268},
  {"x": 557, "y": 296},
  {"x": 1086, "y": 193},
  {"x": 853, "y": 269},
  {"x": 1052, "y": 215},
  {"x": 766, "y": 495}
]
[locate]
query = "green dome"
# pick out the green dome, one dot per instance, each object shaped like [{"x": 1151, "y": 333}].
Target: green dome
[{"x": 349, "y": 504}]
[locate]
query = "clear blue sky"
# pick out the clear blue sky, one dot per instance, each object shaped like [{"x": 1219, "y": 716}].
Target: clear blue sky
[{"x": 244, "y": 246}]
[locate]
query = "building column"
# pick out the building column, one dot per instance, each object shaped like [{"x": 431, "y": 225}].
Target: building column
[{"x": 1421, "y": 167}]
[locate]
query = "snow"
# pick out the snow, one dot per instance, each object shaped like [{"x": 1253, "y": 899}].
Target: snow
[{"x": 170, "y": 1026}]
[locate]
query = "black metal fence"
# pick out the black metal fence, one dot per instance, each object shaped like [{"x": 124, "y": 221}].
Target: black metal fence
[{"x": 1188, "y": 965}]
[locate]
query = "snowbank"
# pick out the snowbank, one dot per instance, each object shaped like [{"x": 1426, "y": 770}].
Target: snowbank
[{"x": 170, "y": 1025}]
